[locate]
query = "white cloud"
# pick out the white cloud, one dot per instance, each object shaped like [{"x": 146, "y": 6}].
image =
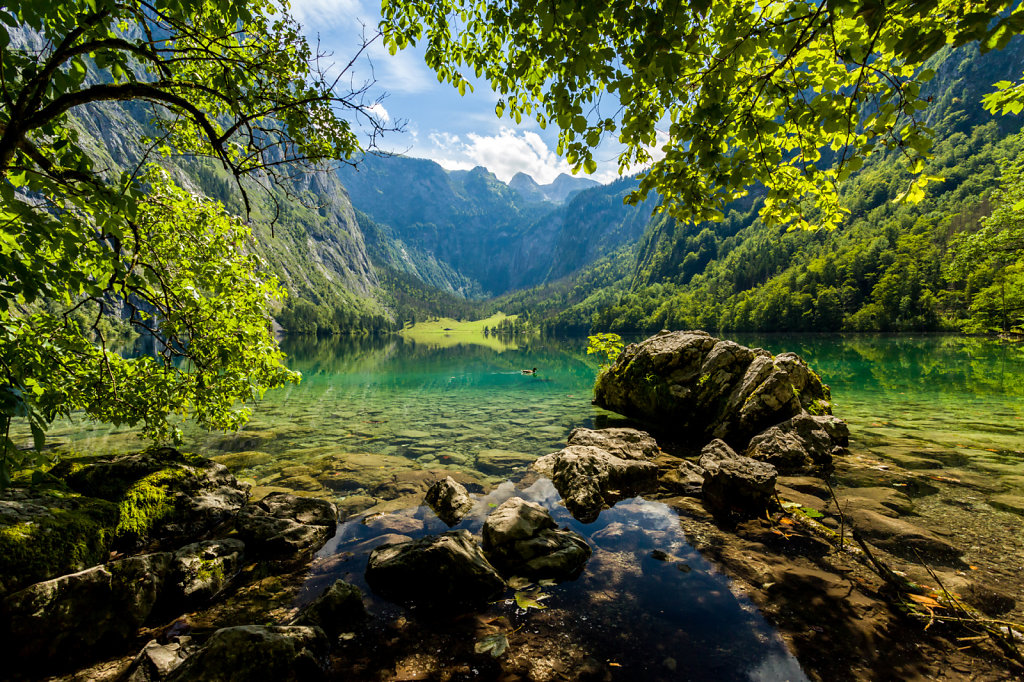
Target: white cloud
[
  {"x": 380, "y": 112},
  {"x": 505, "y": 154}
]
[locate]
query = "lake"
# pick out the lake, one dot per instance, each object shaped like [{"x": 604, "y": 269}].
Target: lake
[{"x": 374, "y": 418}]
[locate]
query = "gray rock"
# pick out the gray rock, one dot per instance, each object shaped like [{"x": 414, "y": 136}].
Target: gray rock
[
  {"x": 201, "y": 570},
  {"x": 686, "y": 479},
  {"x": 693, "y": 385},
  {"x": 521, "y": 538},
  {"x": 590, "y": 479},
  {"x": 339, "y": 609},
  {"x": 254, "y": 653},
  {"x": 446, "y": 572},
  {"x": 81, "y": 615},
  {"x": 801, "y": 444},
  {"x": 736, "y": 483},
  {"x": 156, "y": 661},
  {"x": 449, "y": 500},
  {"x": 621, "y": 442},
  {"x": 282, "y": 524}
]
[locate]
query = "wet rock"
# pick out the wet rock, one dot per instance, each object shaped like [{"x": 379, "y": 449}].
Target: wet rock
[
  {"x": 589, "y": 479},
  {"x": 621, "y": 442},
  {"x": 156, "y": 661},
  {"x": 736, "y": 483},
  {"x": 1008, "y": 503},
  {"x": 521, "y": 538},
  {"x": 446, "y": 572},
  {"x": 901, "y": 537},
  {"x": 686, "y": 479},
  {"x": 885, "y": 501},
  {"x": 402, "y": 522},
  {"x": 502, "y": 462},
  {"x": 801, "y": 444},
  {"x": 283, "y": 525},
  {"x": 339, "y": 609},
  {"x": 84, "y": 614},
  {"x": 258, "y": 653},
  {"x": 449, "y": 500},
  {"x": 693, "y": 385},
  {"x": 165, "y": 495},
  {"x": 201, "y": 570}
]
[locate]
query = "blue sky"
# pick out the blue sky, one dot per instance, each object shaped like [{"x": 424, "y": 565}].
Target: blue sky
[{"x": 457, "y": 132}]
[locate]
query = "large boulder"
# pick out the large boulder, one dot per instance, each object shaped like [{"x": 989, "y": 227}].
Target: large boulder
[
  {"x": 255, "y": 653},
  {"x": 590, "y": 478},
  {"x": 201, "y": 570},
  {"x": 446, "y": 572},
  {"x": 693, "y": 385},
  {"x": 339, "y": 609},
  {"x": 283, "y": 525},
  {"x": 164, "y": 496},
  {"x": 734, "y": 483},
  {"x": 805, "y": 443},
  {"x": 81, "y": 615},
  {"x": 521, "y": 538},
  {"x": 449, "y": 500}
]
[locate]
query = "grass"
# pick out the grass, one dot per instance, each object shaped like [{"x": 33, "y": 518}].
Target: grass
[{"x": 445, "y": 332}]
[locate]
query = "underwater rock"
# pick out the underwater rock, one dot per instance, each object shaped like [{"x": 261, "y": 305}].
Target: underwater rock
[
  {"x": 589, "y": 479},
  {"x": 446, "y": 572},
  {"x": 501, "y": 462},
  {"x": 734, "y": 482},
  {"x": 339, "y": 609},
  {"x": 521, "y": 538},
  {"x": 201, "y": 570},
  {"x": 282, "y": 524},
  {"x": 156, "y": 661},
  {"x": 449, "y": 500},
  {"x": 801, "y": 444},
  {"x": 621, "y": 442},
  {"x": 902, "y": 538},
  {"x": 79, "y": 616},
  {"x": 254, "y": 652},
  {"x": 692, "y": 385}
]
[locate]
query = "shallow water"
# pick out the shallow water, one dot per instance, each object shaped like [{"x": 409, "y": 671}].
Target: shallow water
[
  {"x": 667, "y": 618},
  {"x": 373, "y": 418}
]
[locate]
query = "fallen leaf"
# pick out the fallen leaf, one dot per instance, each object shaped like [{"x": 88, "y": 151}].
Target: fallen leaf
[
  {"x": 495, "y": 644},
  {"x": 526, "y": 601}
]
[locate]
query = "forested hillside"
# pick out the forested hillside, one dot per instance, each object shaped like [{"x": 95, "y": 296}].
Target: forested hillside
[{"x": 891, "y": 266}]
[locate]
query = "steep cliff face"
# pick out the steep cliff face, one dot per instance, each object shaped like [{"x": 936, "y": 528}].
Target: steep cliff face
[
  {"x": 314, "y": 245},
  {"x": 559, "y": 191}
]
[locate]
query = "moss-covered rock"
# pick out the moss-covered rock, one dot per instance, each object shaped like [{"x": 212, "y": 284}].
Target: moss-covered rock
[{"x": 43, "y": 535}]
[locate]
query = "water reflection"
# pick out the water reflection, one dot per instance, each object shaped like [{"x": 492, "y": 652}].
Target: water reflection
[{"x": 647, "y": 603}]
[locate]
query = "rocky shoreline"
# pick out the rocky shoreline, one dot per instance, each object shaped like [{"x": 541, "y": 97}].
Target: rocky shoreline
[{"x": 168, "y": 556}]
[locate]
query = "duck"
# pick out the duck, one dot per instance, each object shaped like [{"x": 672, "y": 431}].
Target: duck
[{"x": 529, "y": 371}]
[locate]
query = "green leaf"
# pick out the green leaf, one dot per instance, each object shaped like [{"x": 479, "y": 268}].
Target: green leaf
[{"x": 495, "y": 645}]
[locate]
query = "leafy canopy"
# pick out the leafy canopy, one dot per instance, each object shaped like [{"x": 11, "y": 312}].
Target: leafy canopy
[
  {"x": 84, "y": 239},
  {"x": 717, "y": 95}
]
